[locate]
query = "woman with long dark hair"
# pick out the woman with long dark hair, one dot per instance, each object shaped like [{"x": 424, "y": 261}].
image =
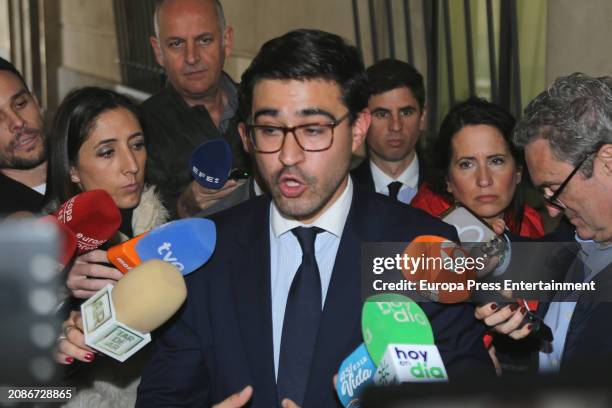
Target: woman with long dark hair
[
  {"x": 96, "y": 142},
  {"x": 475, "y": 163}
]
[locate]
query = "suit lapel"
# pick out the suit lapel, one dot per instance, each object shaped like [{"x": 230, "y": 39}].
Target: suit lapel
[
  {"x": 362, "y": 175},
  {"x": 339, "y": 329},
  {"x": 251, "y": 290}
]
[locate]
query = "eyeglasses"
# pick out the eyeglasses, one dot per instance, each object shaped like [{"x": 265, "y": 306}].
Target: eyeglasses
[
  {"x": 311, "y": 137},
  {"x": 553, "y": 200}
]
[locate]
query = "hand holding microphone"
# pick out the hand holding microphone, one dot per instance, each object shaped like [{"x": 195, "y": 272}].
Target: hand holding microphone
[
  {"x": 196, "y": 198},
  {"x": 117, "y": 321},
  {"x": 508, "y": 320},
  {"x": 504, "y": 315},
  {"x": 210, "y": 166},
  {"x": 71, "y": 343},
  {"x": 90, "y": 273}
]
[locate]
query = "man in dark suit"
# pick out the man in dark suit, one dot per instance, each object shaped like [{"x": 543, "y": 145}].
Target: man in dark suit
[
  {"x": 399, "y": 117},
  {"x": 277, "y": 308},
  {"x": 566, "y": 133}
]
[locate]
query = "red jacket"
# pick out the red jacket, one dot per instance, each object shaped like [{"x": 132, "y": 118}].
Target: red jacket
[{"x": 434, "y": 204}]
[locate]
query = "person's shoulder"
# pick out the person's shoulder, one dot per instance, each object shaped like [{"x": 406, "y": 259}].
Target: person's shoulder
[
  {"x": 362, "y": 175},
  {"x": 154, "y": 101},
  {"x": 430, "y": 201},
  {"x": 396, "y": 217},
  {"x": 242, "y": 216}
]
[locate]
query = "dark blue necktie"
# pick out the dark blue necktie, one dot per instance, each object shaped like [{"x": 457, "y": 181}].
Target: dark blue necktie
[
  {"x": 301, "y": 322},
  {"x": 394, "y": 189}
]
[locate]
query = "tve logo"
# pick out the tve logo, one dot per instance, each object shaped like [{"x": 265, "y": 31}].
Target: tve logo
[
  {"x": 165, "y": 251},
  {"x": 411, "y": 363}
]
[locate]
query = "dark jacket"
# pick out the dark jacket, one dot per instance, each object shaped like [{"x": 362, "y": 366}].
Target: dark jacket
[
  {"x": 173, "y": 130},
  {"x": 362, "y": 175},
  {"x": 15, "y": 196},
  {"x": 221, "y": 340}
]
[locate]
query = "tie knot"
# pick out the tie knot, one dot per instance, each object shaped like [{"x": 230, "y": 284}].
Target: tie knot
[
  {"x": 306, "y": 237},
  {"x": 394, "y": 189}
]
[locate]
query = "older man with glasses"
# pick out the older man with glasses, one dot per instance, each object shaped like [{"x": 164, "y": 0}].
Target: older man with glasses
[{"x": 566, "y": 133}]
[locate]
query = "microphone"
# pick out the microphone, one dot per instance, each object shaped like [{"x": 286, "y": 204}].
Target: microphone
[
  {"x": 186, "y": 244},
  {"x": 482, "y": 240},
  {"x": 356, "y": 373},
  {"x": 67, "y": 239},
  {"x": 211, "y": 163},
  {"x": 398, "y": 335},
  {"x": 440, "y": 268},
  {"x": 93, "y": 216},
  {"x": 117, "y": 320}
]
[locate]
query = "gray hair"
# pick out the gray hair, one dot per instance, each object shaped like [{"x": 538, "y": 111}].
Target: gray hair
[
  {"x": 218, "y": 7},
  {"x": 574, "y": 114}
]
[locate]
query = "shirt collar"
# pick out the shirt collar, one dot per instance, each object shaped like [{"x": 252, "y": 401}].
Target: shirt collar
[
  {"x": 230, "y": 91},
  {"x": 332, "y": 220},
  {"x": 231, "y": 107},
  {"x": 409, "y": 177},
  {"x": 258, "y": 191},
  {"x": 596, "y": 256}
]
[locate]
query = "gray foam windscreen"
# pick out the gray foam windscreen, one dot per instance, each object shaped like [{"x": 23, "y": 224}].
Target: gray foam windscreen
[{"x": 29, "y": 284}]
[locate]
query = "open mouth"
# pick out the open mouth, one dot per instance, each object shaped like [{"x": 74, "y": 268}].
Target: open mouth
[{"x": 291, "y": 186}]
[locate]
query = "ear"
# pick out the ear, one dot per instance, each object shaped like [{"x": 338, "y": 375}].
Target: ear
[
  {"x": 360, "y": 128},
  {"x": 159, "y": 57},
  {"x": 519, "y": 174},
  {"x": 449, "y": 189},
  {"x": 228, "y": 41},
  {"x": 246, "y": 140},
  {"x": 423, "y": 119},
  {"x": 605, "y": 155},
  {"x": 74, "y": 175}
]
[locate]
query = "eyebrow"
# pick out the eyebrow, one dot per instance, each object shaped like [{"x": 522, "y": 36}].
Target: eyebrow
[
  {"x": 307, "y": 112},
  {"x": 204, "y": 34},
  {"x": 382, "y": 109},
  {"x": 19, "y": 95},
  {"x": 315, "y": 112},
  {"x": 111, "y": 140},
  {"x": 488, "y": 157},
  {"x": 265, "y": 112}
]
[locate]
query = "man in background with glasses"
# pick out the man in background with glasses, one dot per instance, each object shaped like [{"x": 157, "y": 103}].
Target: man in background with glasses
[
  {"x": 566, "y": 133},
  {"x": 270, "y": 318}
]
